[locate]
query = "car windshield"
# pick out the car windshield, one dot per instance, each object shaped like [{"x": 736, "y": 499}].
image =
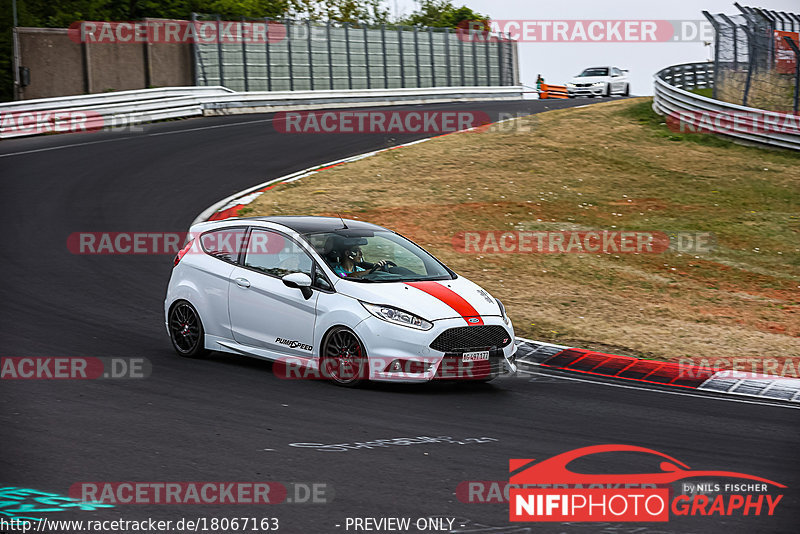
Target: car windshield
[
  {"x": 594, "y": 72},
  {"x": 376, "y": 256}
]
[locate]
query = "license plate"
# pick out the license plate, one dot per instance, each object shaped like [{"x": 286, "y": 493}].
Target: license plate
[{"x": 475, "y": 356}]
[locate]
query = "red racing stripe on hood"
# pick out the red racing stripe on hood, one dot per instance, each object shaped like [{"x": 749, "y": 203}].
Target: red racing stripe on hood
[{"x": 451, "y": 298}]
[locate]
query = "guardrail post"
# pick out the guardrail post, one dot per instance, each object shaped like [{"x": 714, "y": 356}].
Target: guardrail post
[
  {"x": 219, "y": 52},
  {"x": 385, "y": 57},
  {"x": 732, "y": 24},
  {"x": 500, "y": 59},
  {"x": 288, "y": 23},
  {"x": 347, "y": 53},
  {"x": 330, "y": 56},
  {"x": 751, "y": 62},
  {"x": 715, "y": 24},
  {"x": 461, "y": 59},
  {"x": 416, "y": 56},
  {"x": 244, "y": 55},
  {"x": 474, "y": 59},
  {"x": 402, "y": 56},
  {"x": 770, "y": 18},
  {"x": 87, "y": 68},
  {"x": 15, "y": 59},
  {"x": 796, "y": 50},
  {"x": 366, "y": 55},
  {"x": 267, "y": 57},
  {"x": 310, "y": 57},
  {"x": 486, "y": 46},
  {"x": 433, "y": 58},
  {"x": 195, "y": 52},
  {"x": 447, "y": 57}
]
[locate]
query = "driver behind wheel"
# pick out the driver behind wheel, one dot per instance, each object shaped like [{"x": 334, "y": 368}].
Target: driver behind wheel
[{"x": 352, "y": 264}]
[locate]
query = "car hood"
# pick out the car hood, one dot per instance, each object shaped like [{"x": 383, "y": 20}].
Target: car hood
[
  {"x": 446, "y": 299},
  {"x": 589, "y": 79}
]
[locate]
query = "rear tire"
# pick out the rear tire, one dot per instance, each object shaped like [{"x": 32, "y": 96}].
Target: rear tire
[
  {"x": 186, "y": 330},
  {"x": 344, "y": 360}
]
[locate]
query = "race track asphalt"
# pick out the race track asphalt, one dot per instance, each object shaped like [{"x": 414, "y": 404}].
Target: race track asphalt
[{"x": 229, "y": 418}]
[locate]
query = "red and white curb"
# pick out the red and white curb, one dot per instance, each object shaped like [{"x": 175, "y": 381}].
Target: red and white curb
[
  {"x": 548, "y": 355},
  {"x": 675, "y": 375}
]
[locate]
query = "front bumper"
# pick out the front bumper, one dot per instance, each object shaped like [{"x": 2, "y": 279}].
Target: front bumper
[
  {"x": 386, "y": 343},
  {"x": 586, "y": 91}
]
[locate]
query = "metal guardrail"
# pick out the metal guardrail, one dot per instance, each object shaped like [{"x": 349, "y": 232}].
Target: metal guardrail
[
  {"x": 96, "y": 100},
  {"x": 32, "y": 117},
  {"x": 266, "y": 101},
  {"x": 671, "y": 98}
]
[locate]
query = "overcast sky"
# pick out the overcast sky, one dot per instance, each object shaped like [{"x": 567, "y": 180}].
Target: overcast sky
[{"x": 558, "y": 62}]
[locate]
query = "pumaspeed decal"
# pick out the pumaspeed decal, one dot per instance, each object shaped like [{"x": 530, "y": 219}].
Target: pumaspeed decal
[{"x": 294, "y": 344}]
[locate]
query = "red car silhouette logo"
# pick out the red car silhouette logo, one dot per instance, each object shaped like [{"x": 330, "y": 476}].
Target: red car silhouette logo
[{"x": 554, "y": 470}]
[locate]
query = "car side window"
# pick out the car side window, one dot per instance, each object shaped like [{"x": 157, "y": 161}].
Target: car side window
[
  {"x": 224, "y": 244},
  {"x": 275, "y": 254},
  {"x": 616, "y": 72}
]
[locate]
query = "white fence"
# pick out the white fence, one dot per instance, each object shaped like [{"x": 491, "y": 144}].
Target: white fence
[
  {"x": 97, "y": 111},
  {"x": 699, "y": 113}
]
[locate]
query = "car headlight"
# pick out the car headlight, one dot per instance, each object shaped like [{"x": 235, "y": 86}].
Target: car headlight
[
  {"x": 397, "y": 316},
  {"x": 598, "y": 84},
  {"x": 570, "y": 85},
  {"x": 503, "y": 312}
]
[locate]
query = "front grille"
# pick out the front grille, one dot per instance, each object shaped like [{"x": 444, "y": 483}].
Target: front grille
[{"x": 467, "y": 338}]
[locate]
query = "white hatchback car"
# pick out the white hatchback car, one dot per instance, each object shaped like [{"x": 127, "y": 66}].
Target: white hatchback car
[
  {"x": 331, "y": 298},
  {"x": 600, "y": 81}
]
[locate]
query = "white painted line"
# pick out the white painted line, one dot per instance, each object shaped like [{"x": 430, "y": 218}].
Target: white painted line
[
  {"x": 669, "y": 392},
  {"x": 542, "y": 343},
  {"x": 155, "y": 134}
]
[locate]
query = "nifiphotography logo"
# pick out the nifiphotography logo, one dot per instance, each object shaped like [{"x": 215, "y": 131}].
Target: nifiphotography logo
[{"x": 549, "y": 491}]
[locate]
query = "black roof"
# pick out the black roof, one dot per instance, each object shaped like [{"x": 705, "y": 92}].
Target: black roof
[{"x": 310, "y": 225}]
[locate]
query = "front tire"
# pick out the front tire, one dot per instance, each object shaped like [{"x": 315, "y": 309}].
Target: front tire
[
  {"x": 186, "y": 331},
  {"x": 627, "y": 90},
  {"x": 608, "y": 90},
  {"x": 344, "y": 360}
]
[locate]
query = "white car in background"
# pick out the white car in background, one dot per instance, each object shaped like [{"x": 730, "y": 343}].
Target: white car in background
[
  {"x": 277, "y": 288},
  {"x": 600, "y": 81}
]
